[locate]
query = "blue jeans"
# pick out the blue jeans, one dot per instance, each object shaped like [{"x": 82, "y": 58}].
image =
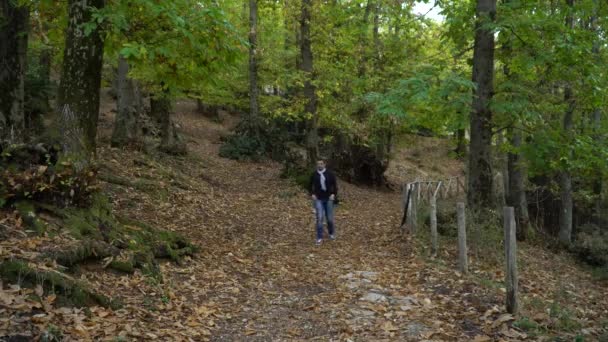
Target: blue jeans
[{"x": 324, "y": 208}]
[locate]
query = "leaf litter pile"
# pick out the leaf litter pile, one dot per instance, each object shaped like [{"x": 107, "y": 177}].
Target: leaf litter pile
[{"x": 258, "y": 276}]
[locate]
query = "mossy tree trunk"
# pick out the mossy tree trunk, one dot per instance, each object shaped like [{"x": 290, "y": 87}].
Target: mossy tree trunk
[
  {"x": 160, "y": 109},
  {"x": 126, "y": 125},
  {"x": 78, "y": 100},
  {"x": 14, "y": 23}
]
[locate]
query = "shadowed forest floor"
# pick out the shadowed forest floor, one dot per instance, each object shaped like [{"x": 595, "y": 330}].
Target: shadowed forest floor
[{"x": 259, "y": 276}]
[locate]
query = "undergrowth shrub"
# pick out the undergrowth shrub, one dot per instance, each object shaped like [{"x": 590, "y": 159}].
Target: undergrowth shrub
[
  {"x": 485, "y": 234},
  {"x": 591, "y": 245},
  {"x": 242, "y": 147},
  {"x": 32, "y": 173},
  {"x": 484, "y": 229},
  {"x": 247, "y": 144}
]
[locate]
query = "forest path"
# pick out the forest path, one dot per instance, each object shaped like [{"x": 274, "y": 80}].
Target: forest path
[{"x": 260, "y": 277}]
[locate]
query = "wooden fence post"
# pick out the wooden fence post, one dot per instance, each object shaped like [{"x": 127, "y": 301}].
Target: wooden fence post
[
  {"x": 434, "y": 238},
  {"x": 415, "y": 201},
  {"x": 510, "y": 260},
  {"x": 463, "y": 262}
]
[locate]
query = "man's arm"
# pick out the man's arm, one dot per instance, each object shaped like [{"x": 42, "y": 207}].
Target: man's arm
[
  {"x": 334, "y": 189},
  {"x": 311, "y": 186}
]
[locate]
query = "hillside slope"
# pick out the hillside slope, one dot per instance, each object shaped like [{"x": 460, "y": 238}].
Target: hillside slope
[{"x": 259, "y": 276}]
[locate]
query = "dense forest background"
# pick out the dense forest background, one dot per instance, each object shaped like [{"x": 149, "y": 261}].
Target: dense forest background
[{"x": 517, "y": 88}]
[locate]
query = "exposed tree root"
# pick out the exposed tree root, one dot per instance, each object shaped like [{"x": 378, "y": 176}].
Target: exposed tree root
[{"x": 73, "y": 292}]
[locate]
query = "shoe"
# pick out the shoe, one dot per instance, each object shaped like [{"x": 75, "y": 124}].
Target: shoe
[
  {"x": 332, "y": 237},
  {"x": 319, "y": 241}
]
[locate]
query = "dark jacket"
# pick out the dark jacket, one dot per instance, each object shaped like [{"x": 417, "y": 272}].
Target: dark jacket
[{"x": 330, "y": 184}]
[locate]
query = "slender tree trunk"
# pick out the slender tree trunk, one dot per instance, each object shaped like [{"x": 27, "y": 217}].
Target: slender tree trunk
[
  {"x": 461, "y": 148},
  {"x": 480, "y": 166},
  {"x": 597, "y": 116},
  {"x": 78, "y": 99},
  {"x": 565, "y": 177},
  {"x": 376, "y": 35},
  {"x": 253, "y": 68},
  {"x": 517, "y": 191},
  {"x": 160, "y": 110},
  {"x": 312, "y": 138},
  {"x": 362, "y": 69},
  {"x": 516, "y": 169},
  {"x": 14, "y": 24},
  {"x": 126, "y": 125}
]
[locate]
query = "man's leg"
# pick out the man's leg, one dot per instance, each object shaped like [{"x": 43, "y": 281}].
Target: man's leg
[
  {"x": 329, "y": 213},
  {"x": 319, "y": 214}
]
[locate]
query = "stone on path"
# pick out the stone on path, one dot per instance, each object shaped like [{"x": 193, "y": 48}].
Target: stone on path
[{"x": 374, "y": 297}]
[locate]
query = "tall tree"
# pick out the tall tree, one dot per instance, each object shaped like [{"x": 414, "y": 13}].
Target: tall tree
[
  {"x": 14, "y": 23},
  {"x": 480, "y": 166},
  {"x": 253, "y": 68},
  {"x": 161, "y": 110},
  {"x": 128, "y": 107},
  {"x": 78, "y": 100},
  {"x": 312, "y": 138},
  {"x": 516, "y": 169},
  {"x": 565, "y": 177}
]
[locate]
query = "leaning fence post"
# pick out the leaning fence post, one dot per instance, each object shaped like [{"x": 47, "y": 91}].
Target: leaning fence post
[
  {"x": 511, "y": 260},
  {"x": 434, "y": 238},
  {"x": 463, "y": 262}
]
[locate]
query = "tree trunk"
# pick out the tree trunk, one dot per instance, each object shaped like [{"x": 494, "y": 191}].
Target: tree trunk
[
  {"x": 480, "y": 167},
  {"x": 597, "y": 116},
  {"x": 362, "y": 69},
  {"x": 565, "y": 177},
  {"x": 170, "y": 141},
  {"x": 13, "y": 48},
  {"x": 516, "y": 169},
  {"x": 126, "y": 125},
  {"x": 517, "y": 191},
  {"x": 253, "y": 68},
  {"x": 461, "y": 148},
  {"x": 376, "y": 35},
  {"x": 312, "y": 136},
  {"x": 78, "y": 99}
]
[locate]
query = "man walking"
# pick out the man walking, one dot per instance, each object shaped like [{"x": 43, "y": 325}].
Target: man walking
[{"x": 323, "y": 189}]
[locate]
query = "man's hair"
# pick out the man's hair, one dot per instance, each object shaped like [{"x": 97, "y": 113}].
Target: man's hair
[{"x": 323, "y": 159}]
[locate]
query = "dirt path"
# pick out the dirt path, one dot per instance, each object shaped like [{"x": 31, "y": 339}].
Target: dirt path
[{"x": 260, "y": 277}]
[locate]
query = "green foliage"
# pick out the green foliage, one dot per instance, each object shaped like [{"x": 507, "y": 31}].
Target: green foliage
[
  {"x": 171, "y": 45},
  {"x": 242, "y": 147},
  {"x": 485, "y": 235},
  {"x": 52, "y": 334},
  {"x": 591, "y": 245}
]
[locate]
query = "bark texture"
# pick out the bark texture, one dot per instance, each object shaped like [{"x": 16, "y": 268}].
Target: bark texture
[
  {"x": 480, "y": 166},
  {"x": 78, "y": 99},
  {"x": 14, "y": 23},
  {"x": 127, "y": 129},
  {"x": 170, "y": 141},
  {"x": 312, "y": 135},
  {"x": 565, "y": 177},
  {"x": 253, "y": 68},
  {"x": 517, "y": 191}
]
